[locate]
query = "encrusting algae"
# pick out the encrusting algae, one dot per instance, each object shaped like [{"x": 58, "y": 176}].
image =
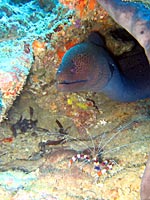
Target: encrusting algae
[{"x": 80, "y": 5}]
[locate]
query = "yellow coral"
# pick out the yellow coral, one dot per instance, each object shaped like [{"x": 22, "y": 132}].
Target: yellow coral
[{"x": 73, "y": 100}]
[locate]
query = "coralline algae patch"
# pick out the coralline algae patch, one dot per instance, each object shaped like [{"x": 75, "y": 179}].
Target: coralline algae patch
[
  {"x": 14, "y": 68},
  {"x": 80, "y": 5}
]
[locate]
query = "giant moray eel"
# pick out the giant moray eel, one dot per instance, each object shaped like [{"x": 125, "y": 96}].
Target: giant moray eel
[{"x": 90, "y": 67}]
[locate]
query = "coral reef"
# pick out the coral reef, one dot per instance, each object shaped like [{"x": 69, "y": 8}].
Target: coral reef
[
  {"x": 15, "y": 64},
  {"x": 79, "y": 120}
]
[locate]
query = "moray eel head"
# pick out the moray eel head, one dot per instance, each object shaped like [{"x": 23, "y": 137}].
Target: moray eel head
[{"x": 84, "y": 67}]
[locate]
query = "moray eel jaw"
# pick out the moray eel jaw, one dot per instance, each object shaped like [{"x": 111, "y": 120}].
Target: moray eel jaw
[
  {"x": 89, "y": 66},
  {"x": 67, "y": 85},
  {"x": 72, "y": 82}
]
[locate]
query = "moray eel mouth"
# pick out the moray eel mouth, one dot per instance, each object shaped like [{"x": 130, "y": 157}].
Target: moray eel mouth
[
  {"x": 67, "y": 85},
  {"x": 65, "y": 82}
]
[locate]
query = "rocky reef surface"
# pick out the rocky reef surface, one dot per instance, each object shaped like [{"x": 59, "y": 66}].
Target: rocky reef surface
[{"x": 45, "y": 129}]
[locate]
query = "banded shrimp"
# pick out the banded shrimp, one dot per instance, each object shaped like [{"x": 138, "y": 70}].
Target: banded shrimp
[
  {"x": 104, "y": 157},
  {"x": 99, "y": 156}
]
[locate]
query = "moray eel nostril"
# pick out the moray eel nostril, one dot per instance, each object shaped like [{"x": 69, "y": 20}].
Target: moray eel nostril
[{"x": 89, "y": 66}]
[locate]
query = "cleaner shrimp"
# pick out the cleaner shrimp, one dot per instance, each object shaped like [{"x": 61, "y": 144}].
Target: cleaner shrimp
[{"x": 95, "y": 155}]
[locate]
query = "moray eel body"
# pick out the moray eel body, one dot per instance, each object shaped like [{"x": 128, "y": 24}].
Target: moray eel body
[{"x": 89, "y": 66}]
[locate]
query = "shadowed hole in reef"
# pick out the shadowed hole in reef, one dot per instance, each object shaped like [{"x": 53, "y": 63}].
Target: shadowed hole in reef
[{"x": 133, "y": 61}]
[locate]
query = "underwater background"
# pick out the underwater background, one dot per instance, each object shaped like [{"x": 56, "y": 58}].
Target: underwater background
[{"x": 42, "y": 131}]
